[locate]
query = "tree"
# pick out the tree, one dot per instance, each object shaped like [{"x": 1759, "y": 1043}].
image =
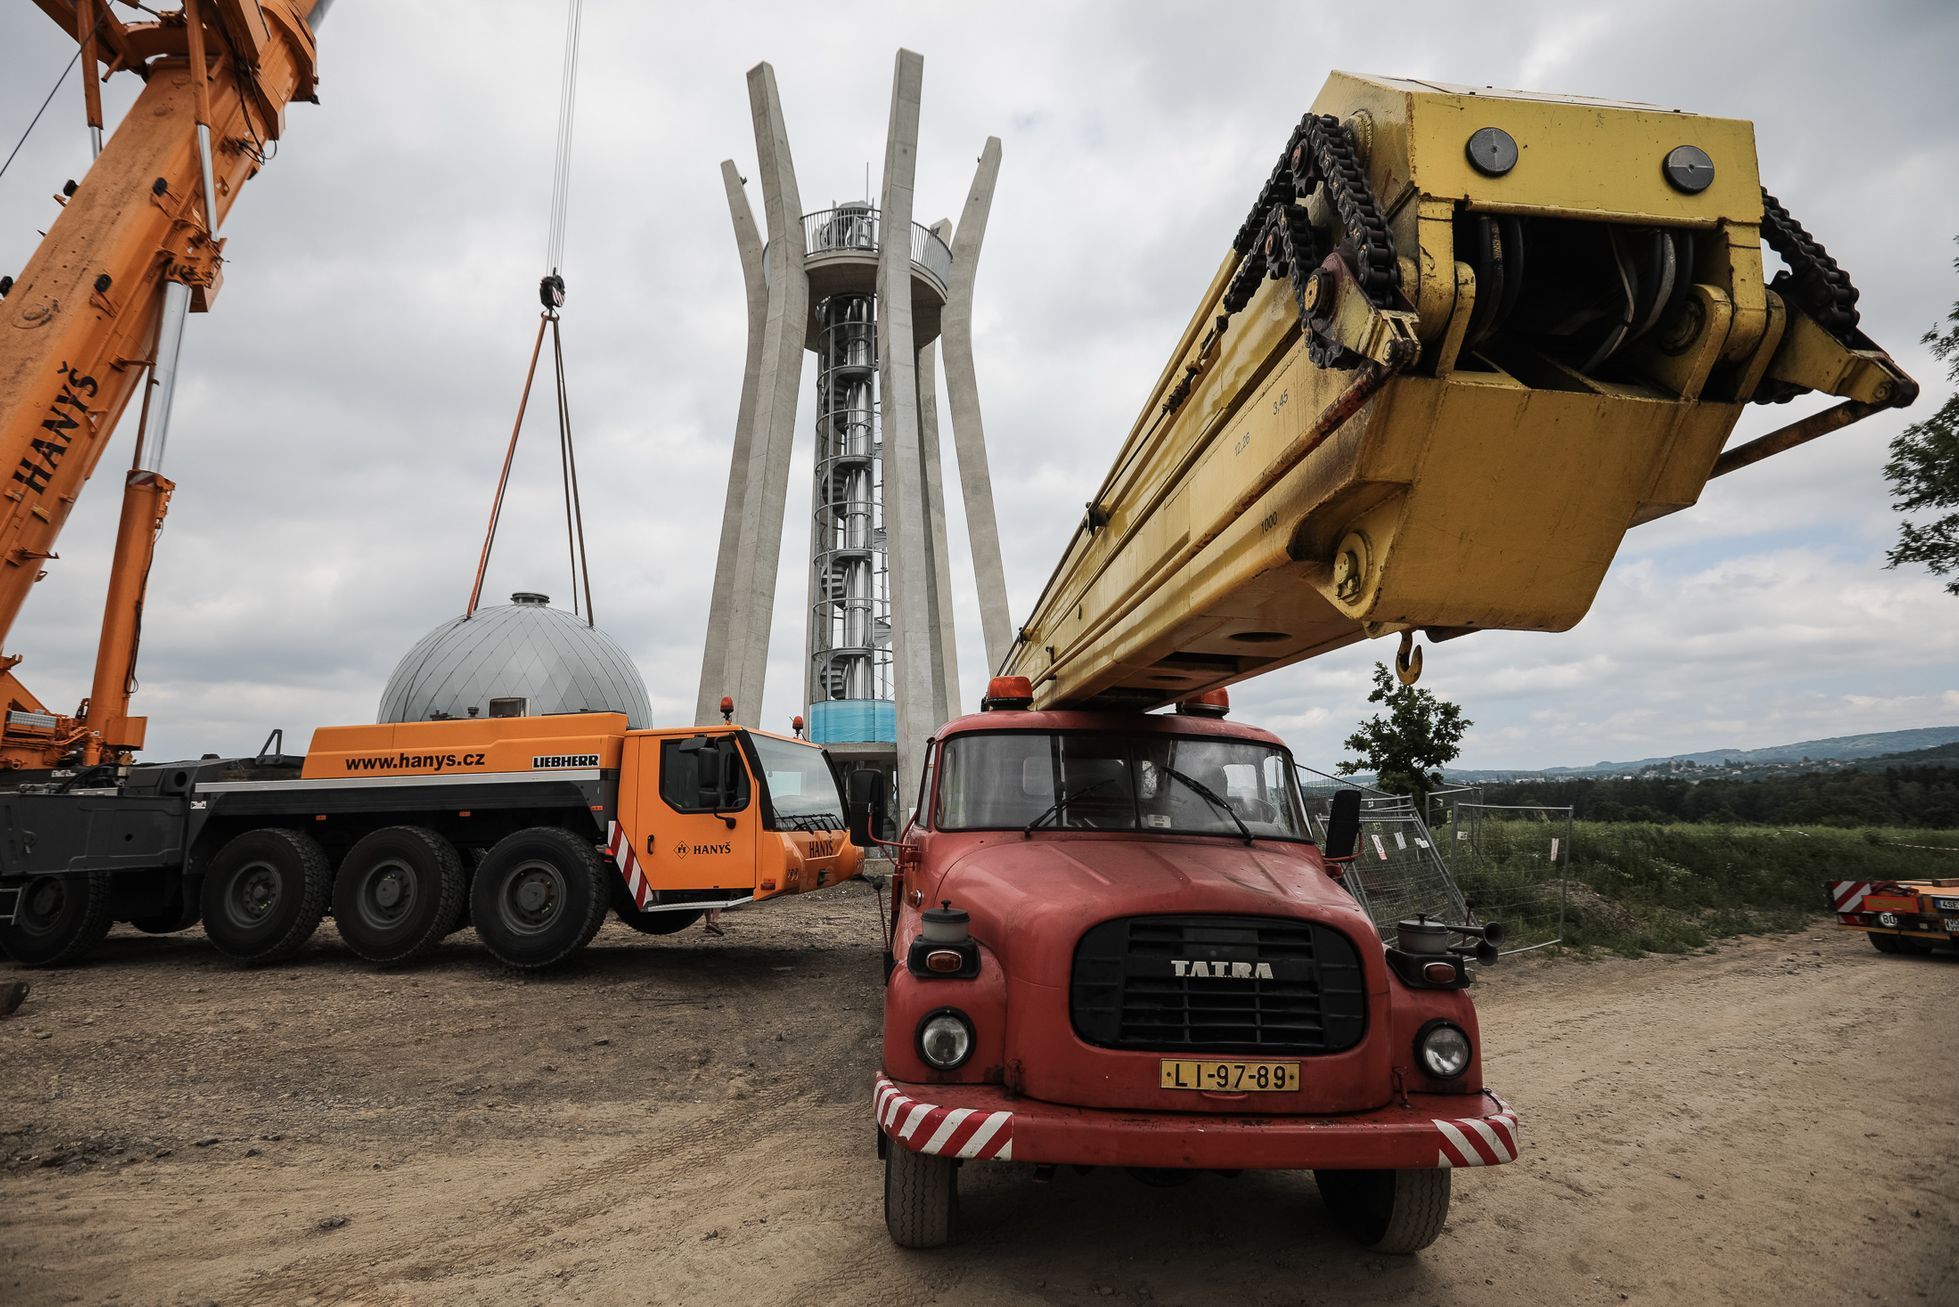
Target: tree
[
  {"x": 1419, "y": 733},
  {"x": 1924, "y": 473}
]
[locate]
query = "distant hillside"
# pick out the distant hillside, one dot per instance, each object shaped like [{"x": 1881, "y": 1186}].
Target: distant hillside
[{"x": 1778, "y": 758}]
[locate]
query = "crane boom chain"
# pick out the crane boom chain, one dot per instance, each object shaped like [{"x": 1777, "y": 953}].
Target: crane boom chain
[
  {"x": 1278, "y": 237},
  {"x": 1369, "y": 248},
  {"x": 1813, "y": 281}
]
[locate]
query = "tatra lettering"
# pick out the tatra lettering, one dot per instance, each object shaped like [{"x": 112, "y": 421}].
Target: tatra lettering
[{"x": 1222, "y": 970}]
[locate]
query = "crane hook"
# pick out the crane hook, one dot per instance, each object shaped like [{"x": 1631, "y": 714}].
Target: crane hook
[{"x": 1408, "y": 660}]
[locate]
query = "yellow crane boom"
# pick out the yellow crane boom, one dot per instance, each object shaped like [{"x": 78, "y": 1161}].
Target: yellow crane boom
[{"x": 1464, "y": 341}]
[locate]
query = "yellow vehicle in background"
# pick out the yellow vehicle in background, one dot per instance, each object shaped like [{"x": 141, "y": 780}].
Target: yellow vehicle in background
[{"x": 1900, "y": 916}]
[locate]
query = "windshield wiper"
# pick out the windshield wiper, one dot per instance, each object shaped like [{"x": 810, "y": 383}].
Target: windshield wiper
[
  {"x": 1027, "y": 831},
  {"x": 1210, "y": 796}
]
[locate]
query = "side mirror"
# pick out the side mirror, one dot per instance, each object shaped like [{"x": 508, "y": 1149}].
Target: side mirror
[
  {"x": 1343, "y": 825},
  {"x": 864, "y": 794}
]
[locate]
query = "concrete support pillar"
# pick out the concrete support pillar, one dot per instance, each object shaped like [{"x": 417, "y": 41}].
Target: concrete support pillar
[
  {"x": 721, "y": 662},
  {"x": 914, "y": 657},
  {"x": 784, "y": 331},
  {"x": 968, "y": 433},
  {"x": 945, "y": 668}
]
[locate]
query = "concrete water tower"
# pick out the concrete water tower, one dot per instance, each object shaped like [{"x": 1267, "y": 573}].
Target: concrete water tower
[{"x": 868, "y": 291}]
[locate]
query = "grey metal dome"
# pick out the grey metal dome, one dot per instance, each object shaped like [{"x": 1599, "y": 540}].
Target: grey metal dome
[{"x": 529, "y": 651}]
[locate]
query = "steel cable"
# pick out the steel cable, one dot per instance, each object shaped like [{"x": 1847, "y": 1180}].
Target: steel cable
[{"x": 43, "y": 109}]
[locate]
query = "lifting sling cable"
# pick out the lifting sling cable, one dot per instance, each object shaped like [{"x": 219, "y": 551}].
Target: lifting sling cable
[{"x": 551, "y": 292}]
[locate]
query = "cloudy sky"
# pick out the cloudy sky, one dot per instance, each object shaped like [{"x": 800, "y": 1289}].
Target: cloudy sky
[{"x": 346, "y": 404}]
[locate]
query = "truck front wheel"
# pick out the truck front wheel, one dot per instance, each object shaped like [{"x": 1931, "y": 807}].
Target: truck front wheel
[
  {"x": 58, "y": 920},
  {"x": 1389, "y": 1211},
  {"x": 921, "y": 1197},
  {"x": 397, "y": 893},
  {"x": 539, "y": 896},
  {"x": 265, "y": 894}
]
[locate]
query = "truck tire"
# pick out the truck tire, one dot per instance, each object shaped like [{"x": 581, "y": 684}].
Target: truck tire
[
  {"x": 398, "y": 891},
  {"x": 921, "y": 1197},
  {"x": 265, "y": 894},
  {"x": 166, "y": 923},
  {"x": 657, "y": 923},
  {"x": 1896, "y": 944},
  {"x": 538, "y": 897},
  {"x": 60, "y": 918},
  {"x": 1395, "y": 1212}
]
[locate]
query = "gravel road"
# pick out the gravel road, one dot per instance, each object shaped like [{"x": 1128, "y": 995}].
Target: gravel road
[{"x": 688, "y": 1119}]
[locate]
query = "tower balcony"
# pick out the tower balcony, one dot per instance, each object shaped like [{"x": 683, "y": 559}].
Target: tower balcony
[{"x": 840, "y": 253}]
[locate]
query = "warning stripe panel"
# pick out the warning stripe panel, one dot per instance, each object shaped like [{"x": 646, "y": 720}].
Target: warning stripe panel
[
  {"x": 942, "y": 1131},
  {"x": 1848, "y": 895},
  {"x": 620, "y": 848},
  {"x": 1478, "y": 1141}
]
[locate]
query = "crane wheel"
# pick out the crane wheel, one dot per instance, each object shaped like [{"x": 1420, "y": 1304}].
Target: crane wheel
[
  {"x": 1394, "y": 1212},
  {"x": 655, "y": 923},
  {"x": 1896, "y": 944},
  {"x": 398, "y": 892},
  {"x": 921, "y": 1197},
  {"x": 265, "y": 894},
  {"x": 166, "y": 923},
  {"x": 539, "y": 896},
  {"x": 60, "y": 918}
]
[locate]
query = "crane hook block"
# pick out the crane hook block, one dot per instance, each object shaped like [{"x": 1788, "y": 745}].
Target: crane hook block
[
  {"x": 1408, "y": 660},
  {"x": 551, "y": 291}
]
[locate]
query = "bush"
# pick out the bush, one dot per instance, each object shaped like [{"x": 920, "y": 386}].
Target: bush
[{"x": 1673, "y": 887}]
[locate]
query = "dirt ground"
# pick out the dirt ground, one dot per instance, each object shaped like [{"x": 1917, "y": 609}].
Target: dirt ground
[{"x": 684, "y": 1119}]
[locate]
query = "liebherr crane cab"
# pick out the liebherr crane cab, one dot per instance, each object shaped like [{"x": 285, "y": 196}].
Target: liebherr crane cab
[{"x": 1463, "y": 342}]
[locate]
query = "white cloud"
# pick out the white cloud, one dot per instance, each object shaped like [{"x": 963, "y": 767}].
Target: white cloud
[{"x": 346, "y": 403}]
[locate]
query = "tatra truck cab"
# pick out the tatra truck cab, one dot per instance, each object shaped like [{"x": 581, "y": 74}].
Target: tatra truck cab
[
  {"x": 529, "y": 828},
  {"x": 1115, "y": 944}
]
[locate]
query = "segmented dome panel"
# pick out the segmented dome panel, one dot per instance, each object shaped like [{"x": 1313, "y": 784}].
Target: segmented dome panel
[{"x": 526, "y": 650}]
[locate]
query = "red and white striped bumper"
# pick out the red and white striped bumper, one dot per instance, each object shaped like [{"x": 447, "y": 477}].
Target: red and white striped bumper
[
  {"x": 982, "y": 1122},
  {"x": 619, "y": 847},
  {"x": 943, "y": 1131},
  {"x": 1849, "y": 895}
]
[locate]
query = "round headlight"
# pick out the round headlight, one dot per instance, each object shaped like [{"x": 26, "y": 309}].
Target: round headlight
[
  {"x": 1443, "y": 1050},
  {"x": 1887, "y": 918},
  {"x": 945, "y": 1040}
]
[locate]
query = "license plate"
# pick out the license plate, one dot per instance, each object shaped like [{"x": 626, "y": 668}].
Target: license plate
[
  {"x": 1228, "y": 1077},
  {"x": 1952, "y": 924},
  {"x": 1946, "y": 905}
]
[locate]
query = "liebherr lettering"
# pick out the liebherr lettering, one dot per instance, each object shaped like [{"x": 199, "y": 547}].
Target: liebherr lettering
[{"x": 68, "y": 411}]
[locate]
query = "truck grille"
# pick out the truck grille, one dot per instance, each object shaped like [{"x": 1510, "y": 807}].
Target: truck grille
[{"x": 1218, "y": 984}]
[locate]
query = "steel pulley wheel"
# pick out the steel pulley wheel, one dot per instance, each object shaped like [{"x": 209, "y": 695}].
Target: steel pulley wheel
[
  {"x": 397, "y": 893},
  {"x": 265, "y": 894},
  {"x": 59, "y": 919},
  {"x": 539, "y": 896}
]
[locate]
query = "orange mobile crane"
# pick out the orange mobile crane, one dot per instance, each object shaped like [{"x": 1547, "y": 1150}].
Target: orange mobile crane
[
  {"x": 528, "y": 827},
  {"x": 99, "y": 311}
]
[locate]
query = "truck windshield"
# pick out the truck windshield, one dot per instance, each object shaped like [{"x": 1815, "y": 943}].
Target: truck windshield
[
  {"x": 1089, "y": 781},
  {"x": 802, "y": 789}
]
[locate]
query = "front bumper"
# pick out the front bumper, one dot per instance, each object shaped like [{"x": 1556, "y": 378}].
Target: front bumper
[{"x": 982, "y": 1122}]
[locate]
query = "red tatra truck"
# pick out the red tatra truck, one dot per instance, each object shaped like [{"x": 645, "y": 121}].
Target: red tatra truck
[{"x": 1115, "y": 944}]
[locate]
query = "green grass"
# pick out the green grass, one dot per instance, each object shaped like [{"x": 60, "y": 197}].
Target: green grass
[{"x": 1674, "y": 888}]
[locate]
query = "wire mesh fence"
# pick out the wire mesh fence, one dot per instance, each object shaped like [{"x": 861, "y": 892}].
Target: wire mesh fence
[
  {"x": 1513, "y": 864},
  {"x": 1397, "y": 871}
]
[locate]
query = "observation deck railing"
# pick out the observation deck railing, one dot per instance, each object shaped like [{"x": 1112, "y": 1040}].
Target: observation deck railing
[{"x": 857, "y": 229}]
